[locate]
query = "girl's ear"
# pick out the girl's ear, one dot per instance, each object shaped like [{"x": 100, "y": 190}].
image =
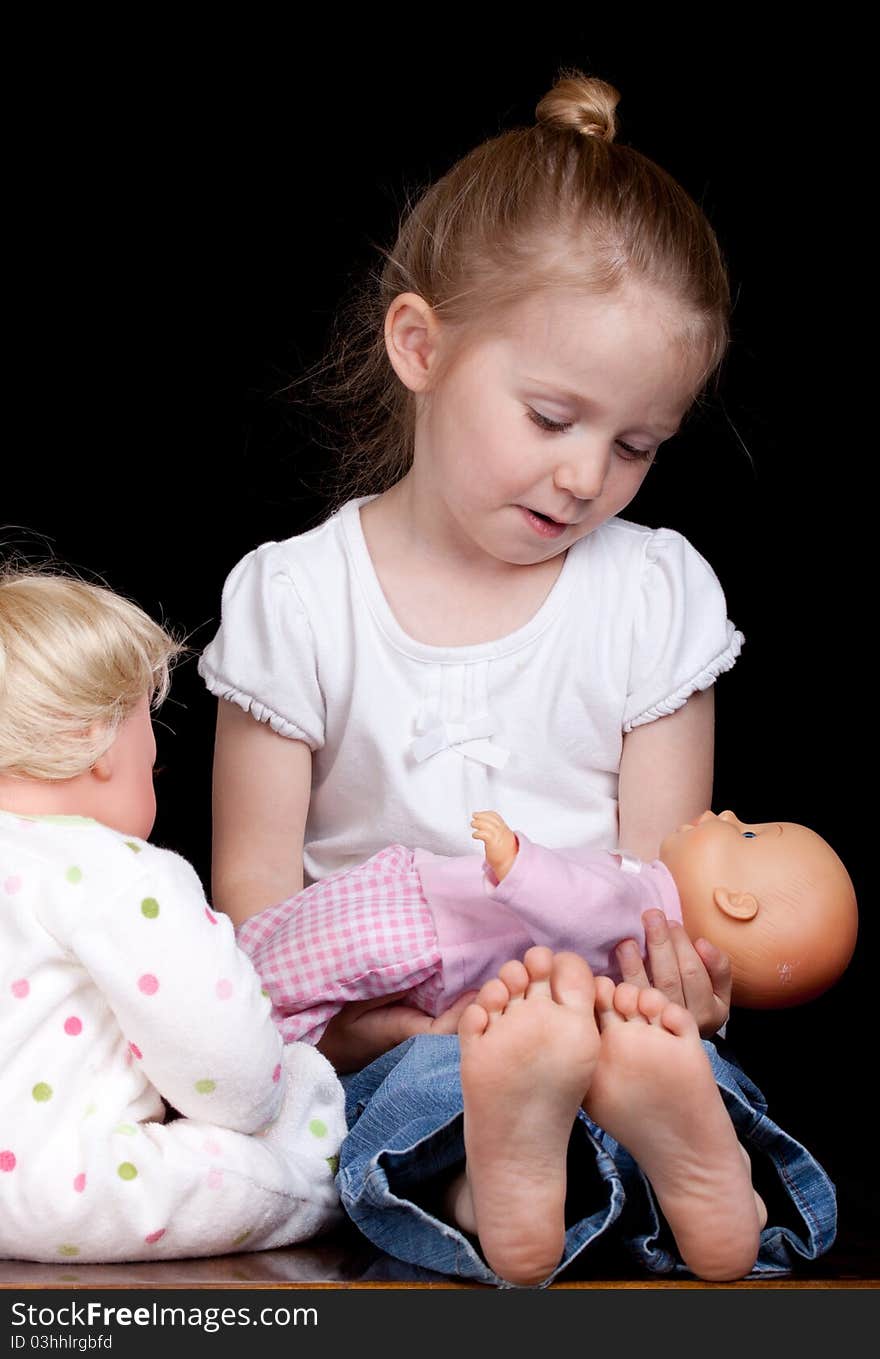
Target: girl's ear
[
  {"x": 738, "y": 905},
  {"x": 412, "y": 333}
]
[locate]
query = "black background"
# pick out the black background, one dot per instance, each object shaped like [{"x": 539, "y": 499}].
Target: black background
[{"x": 188, "y": 208}]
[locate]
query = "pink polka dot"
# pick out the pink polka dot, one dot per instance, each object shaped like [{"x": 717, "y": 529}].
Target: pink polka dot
[
  {"x": 276, "y": 1074},
  {"x": 212, "y": 1148},
  {"x": 215, "y": 1178},
  {"x": 155, "y": 1236},
  {"x": 135, "y": 1051},
  {"x": 224, "y": 989},
  {"x": 20, "y": 988},
  {"x": 211, "y": 916},
  {"x": 12, "y": 885},
  {"x": 148, "y": 984},
  {"x": 73, "y": 1026},
  {"x": 7, "y": 1160},
  {"x": 79, "y": 1182}
]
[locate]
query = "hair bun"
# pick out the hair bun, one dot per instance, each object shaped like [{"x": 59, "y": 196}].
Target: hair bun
[{"x": 579, "y": 103}]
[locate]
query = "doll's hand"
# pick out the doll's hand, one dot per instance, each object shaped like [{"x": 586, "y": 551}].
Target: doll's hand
[
  {"x": 364, "y": 1029},
  {"x": 695, "y": 975}
]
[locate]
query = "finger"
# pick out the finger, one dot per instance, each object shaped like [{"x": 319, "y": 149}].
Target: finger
[
  {"x": 662, "y": 957},
  {"x": 717, "y": 964},
  {"x": 631, "y": 963},
  {"x": 398, "y": 1022},
  {"x": 448, "y": 1021},
  {"x": 696, "y": 983}
]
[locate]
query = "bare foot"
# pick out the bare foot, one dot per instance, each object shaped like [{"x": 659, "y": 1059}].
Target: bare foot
[
  {"x": 654, "y": 1091},
  {"x": 529, "y": 1045},
  {"x": 500, "y": 842}
]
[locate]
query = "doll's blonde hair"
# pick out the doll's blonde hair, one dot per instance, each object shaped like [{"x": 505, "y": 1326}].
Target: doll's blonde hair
[
  {"x": 556, "y": 205},
  {"x": 75, "y": 660}
]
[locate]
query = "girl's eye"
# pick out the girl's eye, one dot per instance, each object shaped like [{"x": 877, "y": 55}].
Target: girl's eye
[
  {"x": 635, "y": 454},
  {"x": 749, "y": 835},
  {"x": 544, "y": 422}
]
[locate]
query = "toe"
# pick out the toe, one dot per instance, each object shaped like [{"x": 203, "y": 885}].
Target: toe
[
  {"x": 538, "y": 963},
  {"x": 679, "y": 1021},
  {"x": 652, "y": 1003},
  {"x": 493, "y": 997},
  {"x": 474, "y": 1022},
  {"x": 626, "y": 1002},
  {"x": 515, "y": 978},
  {"x": 605, "y": 1011},
  {"x": 571, "y": 981}
]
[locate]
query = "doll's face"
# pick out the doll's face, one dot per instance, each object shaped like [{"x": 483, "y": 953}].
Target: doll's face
[
  {"x": 774, "y": 896},
  {"x": 722, "y": 851}
]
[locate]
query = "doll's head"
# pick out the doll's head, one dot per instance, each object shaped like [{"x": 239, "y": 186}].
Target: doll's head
[
  {"x": 558, "y": 208},
  {"x": 774, "y": 896},
  {"x": 80, "y": 669}
]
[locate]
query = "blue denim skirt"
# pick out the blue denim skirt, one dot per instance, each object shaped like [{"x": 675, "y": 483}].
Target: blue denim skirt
[{"x": 406, "y": 1138}]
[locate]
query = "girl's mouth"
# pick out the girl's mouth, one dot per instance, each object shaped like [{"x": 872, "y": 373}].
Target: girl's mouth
[{"x": 542, "y": 524}]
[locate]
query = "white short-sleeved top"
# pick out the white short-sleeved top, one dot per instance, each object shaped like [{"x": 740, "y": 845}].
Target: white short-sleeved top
[{"x": 409, "y": 740}]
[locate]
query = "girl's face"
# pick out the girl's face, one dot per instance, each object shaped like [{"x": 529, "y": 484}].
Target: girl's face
[{"x": 536, "y": 435}]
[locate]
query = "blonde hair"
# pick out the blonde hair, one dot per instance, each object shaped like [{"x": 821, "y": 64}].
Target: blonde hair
[
  {"x": 75, "y": 660},
  {"x": 556, "y": 205}
]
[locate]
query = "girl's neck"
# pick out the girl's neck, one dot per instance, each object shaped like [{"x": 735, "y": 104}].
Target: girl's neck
[{"x": 442, "y": 589}]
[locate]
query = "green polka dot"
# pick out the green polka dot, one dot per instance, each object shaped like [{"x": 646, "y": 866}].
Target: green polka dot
[
  {"x": 333, "y": 1163},
  {"x": 318, "y": 1127},
  {"x": 127, "y": 1171},
  {"x": 74, "y": 874},
  {"x": 134, "y": 847},
  {"x": 68, "y": 1250},
  {"x": 127, "y": 1129},
  {"x": 242, "y": 1237},
  {"x": 206, "y": 1087},
  {"x": 41, "y": 1092},
  {"x": 90, "y": 1109},
  {"x": 264, "y": 992},
  {"x": 150, "y": 908}
]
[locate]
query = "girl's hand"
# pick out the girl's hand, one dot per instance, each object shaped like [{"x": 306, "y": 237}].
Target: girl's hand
[
  {"x": 364, "y": 1029},
  {"x": 696, "y": 975}
]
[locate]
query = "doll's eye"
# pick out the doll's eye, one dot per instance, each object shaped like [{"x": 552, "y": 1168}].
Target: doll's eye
[{"x": 749, "y": 835}]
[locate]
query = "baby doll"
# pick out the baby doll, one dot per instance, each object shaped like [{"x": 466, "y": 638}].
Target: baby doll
[
  {"x": 119, "y": 987},
  {"x": 775, "y": 897}
]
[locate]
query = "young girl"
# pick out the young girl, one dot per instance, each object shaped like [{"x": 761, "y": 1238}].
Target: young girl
[
  {"x": 482, "y": 629},
  {"x": 120, "y": 985}
]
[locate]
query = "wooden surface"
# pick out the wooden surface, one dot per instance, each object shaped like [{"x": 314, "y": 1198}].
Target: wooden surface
[{"x": 348, "y": 1262}]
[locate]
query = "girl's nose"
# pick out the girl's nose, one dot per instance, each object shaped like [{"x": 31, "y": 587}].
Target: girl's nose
[
  {"x": 729, "y": 816},
  {"x": 583, "y": 477}
]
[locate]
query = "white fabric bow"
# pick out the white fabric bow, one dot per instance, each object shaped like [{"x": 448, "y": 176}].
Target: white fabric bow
[{"x": 467, "y": 738}]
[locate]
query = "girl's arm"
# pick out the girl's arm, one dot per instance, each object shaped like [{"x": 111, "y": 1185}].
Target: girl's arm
[
  {"x": 262, "y": 786},
  {"x": 665, "y": 779},
  {"x": 666, "y": 775}
]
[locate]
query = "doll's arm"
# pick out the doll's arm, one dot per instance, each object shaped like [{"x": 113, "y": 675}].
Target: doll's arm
[
  {"x": 666, "y": 775},
  {"x": 186, "y": 998},
  {"x": 262, "y": 786}
]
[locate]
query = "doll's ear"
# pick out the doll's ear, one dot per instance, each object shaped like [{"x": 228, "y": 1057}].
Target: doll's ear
[
  {"x": 102, "y": 769},
  {"x": 738, "y": 905}
]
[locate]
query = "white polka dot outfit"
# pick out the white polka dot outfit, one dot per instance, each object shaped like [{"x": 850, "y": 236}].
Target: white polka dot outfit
[{"x": 121, "y": 990}]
